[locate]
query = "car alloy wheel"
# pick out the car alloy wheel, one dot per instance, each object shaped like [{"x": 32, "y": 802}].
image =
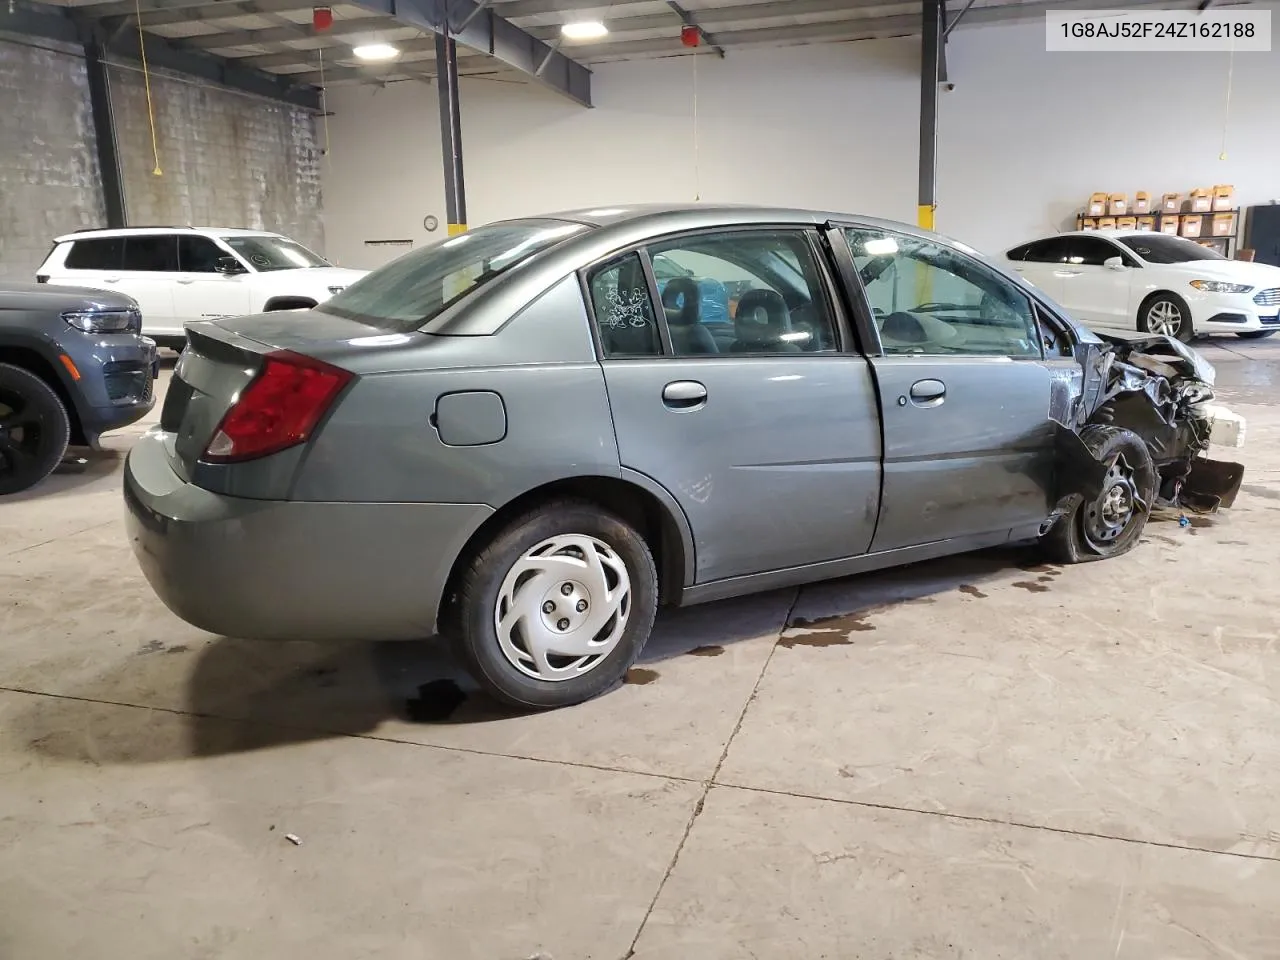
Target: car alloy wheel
[
  {"x": 1164, "y": 318},
  {"x": 34, "y": 429},
  {"x": 1108, "y": 516},
  {"x": 563, "y": 607}
]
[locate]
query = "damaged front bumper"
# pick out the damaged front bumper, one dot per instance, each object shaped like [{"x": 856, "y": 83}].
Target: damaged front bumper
[{"x": 1161, "y": 390}]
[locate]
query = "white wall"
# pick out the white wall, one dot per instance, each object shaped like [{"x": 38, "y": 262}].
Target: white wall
[{"x": 1023, "y": 139}]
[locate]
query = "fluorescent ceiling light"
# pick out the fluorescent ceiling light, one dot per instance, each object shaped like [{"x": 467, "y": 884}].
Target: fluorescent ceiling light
[
  {"x": 376, "y": 51},
  {"x": 584, "y": 30}
]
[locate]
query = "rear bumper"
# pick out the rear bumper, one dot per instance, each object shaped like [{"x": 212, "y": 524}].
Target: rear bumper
[{"x": 290, "y": 570}]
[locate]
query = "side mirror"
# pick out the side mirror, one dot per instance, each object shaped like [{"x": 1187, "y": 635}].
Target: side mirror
[
  {"x": 230, "y": 266},
  {"x": 1114, "y": 263}
]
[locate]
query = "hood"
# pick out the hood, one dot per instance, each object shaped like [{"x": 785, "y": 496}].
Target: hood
[
  {"x": 46, "y": 296},
  {"x": 330, "y": 276},
  {"x": 1260, "y": 275}
]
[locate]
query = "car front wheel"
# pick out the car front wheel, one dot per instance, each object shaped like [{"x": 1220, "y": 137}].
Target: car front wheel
[
  {"x": 557, "y": 607},
  {"x": 1168, "y": 315},
  {"x": 34, "y": 429},
  {"x": 1110, "y": 523}
]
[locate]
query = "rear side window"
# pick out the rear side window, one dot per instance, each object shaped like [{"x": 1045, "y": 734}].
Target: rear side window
[
  {"x": 624, "y": 311},
  {"x": 96, "y": 253},
  {"x": 1053, "y": 250},
  {"x": 151, "y": 254},
  {"x": 410, "y": 291}
]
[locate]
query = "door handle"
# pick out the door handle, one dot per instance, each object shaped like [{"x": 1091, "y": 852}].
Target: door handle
[
  {"x": 110, "y": 279},
  {"x": 684, "y": 394},
  {"x": 928, "y": 393},
  {"x": 186, "y": 280}
]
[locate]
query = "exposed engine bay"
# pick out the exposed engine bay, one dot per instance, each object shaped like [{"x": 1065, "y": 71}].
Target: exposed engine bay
[{"x": 1161, "y": 390}]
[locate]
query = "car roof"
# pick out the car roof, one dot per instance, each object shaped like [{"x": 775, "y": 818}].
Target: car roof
[{"x": 140, "y": 231}]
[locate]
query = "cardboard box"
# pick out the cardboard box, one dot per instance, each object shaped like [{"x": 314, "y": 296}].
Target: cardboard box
[
  {"x": 1142, "y": 202},
  {"x": 1246, "y": 255},
  {"x": 1106, "y": 223},
  {"x": 1169, "y": 225},
  {"x": 1145, "y": 223},
  {"x": 1224, "y": 224},
  {"x": 1191, "y": 225},
  {"x": 1118, "y": 206},
  {"x": 1097, "y": 204},
  {"x": 1089, "y": 223},
  {"x": 1224, "y": 197},
  {"x": 1171, "y": 203},
  {"x": 1201, "y": 201},
  {"x": 1126, "y": 223}
]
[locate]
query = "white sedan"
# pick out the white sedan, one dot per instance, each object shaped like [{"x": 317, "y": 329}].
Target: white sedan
[{"x": 1154, "y": 282}]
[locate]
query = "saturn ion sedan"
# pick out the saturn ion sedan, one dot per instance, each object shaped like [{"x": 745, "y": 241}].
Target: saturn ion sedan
[{"x": 525, "y": 439}]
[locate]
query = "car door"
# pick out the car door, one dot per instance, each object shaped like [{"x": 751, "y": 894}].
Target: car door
[
  {"x": 147, "y": 274},
  {"x": 1042, "y": 263},
  {"x": 771, "y": 444},
  {"x": 201, "y": 292},
  {"x": 1094, "y": 292},
  {"x": 964, "y": 391}
]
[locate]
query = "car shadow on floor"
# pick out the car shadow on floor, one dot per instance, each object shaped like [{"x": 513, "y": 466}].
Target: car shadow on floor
[{"x": 276, "y": 694}]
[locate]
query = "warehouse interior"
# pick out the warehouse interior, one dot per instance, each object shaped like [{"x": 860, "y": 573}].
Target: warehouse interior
[{"x": 980, "y": 755}]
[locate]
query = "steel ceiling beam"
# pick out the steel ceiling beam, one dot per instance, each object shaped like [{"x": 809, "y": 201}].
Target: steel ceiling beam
[
  {"x": 283, "y": 34},
  {"x": 158, "y": 13},
  {"x": 491, "y": 34},
  {"x": 64, "y": 24}
]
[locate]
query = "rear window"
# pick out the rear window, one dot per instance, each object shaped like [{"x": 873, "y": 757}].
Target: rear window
[
  {"x": 98, "y": 253},
  {"x": 410, "y": 291}
]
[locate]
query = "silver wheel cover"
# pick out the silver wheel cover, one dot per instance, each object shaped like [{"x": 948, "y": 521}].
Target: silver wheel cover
[
  {"x": 1164, "y": 318},
  {"x": 563, "y": 607}
]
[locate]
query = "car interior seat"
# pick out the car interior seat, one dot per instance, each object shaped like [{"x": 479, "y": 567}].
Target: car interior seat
[
  {"x": 761, "y": 322},
  {"x": 681, "y": 303}
]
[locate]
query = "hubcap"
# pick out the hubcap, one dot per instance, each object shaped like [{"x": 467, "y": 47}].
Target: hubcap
[
  {"x": 563, "y": 607},
  {"x": 19, "y": 434},
  {"x": 1107, "y": 517},
  {"x": 1164, "y": 318}
]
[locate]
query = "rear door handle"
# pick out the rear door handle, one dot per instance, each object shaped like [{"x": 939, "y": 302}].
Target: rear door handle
[
  {"x": 684, "y": 394},
  {"x": 185, "y": 280},
  {"x": 110, "y": 279},
  {"x": 928, "y": 393}
]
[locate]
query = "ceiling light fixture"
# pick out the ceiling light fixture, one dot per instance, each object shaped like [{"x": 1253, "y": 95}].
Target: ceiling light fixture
[
  {"x": 584, "y": 30},
  {"x": 376, "y": 51}
]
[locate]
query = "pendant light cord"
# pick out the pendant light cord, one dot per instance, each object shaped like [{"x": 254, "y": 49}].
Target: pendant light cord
[{"x": 146, "y": 82}]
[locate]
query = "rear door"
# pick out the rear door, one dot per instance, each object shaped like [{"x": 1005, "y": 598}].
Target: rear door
[
  {"x": 769, "y": 442},
  {"x": 965, "y": 394},
  {"x": 148, "y": 273},
  {"x": 1042, "y": 264}
]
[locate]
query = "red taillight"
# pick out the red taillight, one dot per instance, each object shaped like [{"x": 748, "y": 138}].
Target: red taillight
[{"x": 279, "y": 408}]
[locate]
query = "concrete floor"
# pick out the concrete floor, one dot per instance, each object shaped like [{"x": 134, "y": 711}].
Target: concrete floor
[{"x": 978, "y": 757}]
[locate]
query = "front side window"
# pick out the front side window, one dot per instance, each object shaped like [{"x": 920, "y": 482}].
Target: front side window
[
  {"x": 1163, "y": 248},
  {"x": 1092, "y": 251},
  {"x": 624, "y": 311},
  {"x": 414, "y": 289},
  {"x": 151, "y": 253},
  {"x": 198, "y": 254},
  {"x": 930, "y": 299},
  {"x": 265, "y": 254},
  {"x": 743, "y": 292}
]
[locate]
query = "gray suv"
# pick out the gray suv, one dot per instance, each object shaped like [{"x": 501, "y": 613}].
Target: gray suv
[
  {"x": 525, "y": 439},
  {"x": 72, "y": 366}
]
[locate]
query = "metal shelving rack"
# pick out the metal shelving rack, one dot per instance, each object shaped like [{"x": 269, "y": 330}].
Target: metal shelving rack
[{"x": 1225, "y": 244}]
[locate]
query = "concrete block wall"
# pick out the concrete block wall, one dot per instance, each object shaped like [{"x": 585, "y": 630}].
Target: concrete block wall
[
  {"x": 49, "y": 181},
  {"x": 226, "y": 159}
]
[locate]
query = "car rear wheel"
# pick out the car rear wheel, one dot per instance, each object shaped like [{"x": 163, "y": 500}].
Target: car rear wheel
[
  {"x": 1257, "y": 334},
  {"x": 557, "y": 607},
  {"x": 34, "y": 429},
  {"x": 1110, "y": 523},
  {"x": 1166, "y": 314}
]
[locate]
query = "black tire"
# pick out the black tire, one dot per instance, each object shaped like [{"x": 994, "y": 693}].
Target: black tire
[
  {"x": 473, "y": 620},
  {"x": 1257, "y": 334},
  {"x": 1083, "y": 534},
  {"x": 34, "y": 429},
  {"x": 1164, "y": 300}
]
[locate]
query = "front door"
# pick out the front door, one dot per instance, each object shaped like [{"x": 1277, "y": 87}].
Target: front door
[
  {"x": 1094, "y": 292},
  {"x": 201, "y": 292},
  {"x": 769, "y": 442},
  {"x": 964, "y": 390}
]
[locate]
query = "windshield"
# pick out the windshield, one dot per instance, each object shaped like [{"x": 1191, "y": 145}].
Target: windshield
[
  {"x": 410, "y": 291},
  {"x": 1163, "y": 248},
  {"x": 273, "y": 253}
]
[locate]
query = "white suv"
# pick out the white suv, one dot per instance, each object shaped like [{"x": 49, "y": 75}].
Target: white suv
[{"x": 182, "y": 274}]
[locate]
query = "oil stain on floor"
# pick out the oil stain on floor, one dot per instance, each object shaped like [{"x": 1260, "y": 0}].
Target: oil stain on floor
[
  {"x": 710, "y": 650},
  {"x": 639, "y": 676}
]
